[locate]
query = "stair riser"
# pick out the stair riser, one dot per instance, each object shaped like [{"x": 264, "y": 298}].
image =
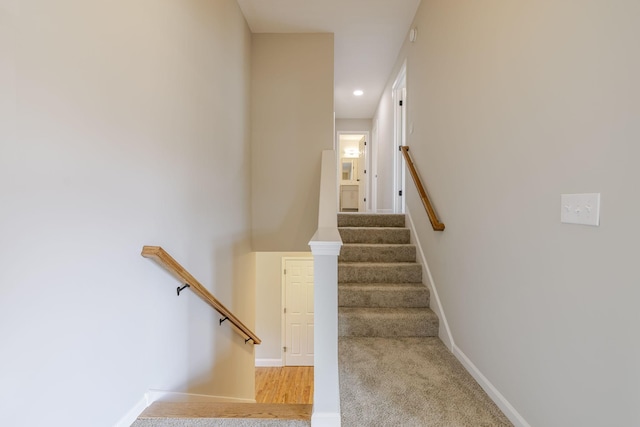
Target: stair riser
[
  {"x": 413, "y": 326},
  {"x": 371, "y": 220},
  {"x": 362, "y": 297},
  {"x": 375, "y": 235},
  {"x": 389, "y": 253},
  {"x": 410, "y": 273}
]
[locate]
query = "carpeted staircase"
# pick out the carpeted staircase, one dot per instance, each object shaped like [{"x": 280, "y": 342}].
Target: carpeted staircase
[
  {"x": 380, "y": 289},
  {"x": 394, "y": 370}
]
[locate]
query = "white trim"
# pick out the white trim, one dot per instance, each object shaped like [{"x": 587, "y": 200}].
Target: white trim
[
  {"x": 170, "y": 396},
  {"x": 156, "y": 395},
  {"x": 325, "y": 419},
  {"x": 374, "y": 166},
  {"x": 494, "y": 394},
  {"x": 399, "y": 93},
  {"x": 328, "y": 200},
  {"x": 325, "y": 248},
  {"x": 267, "y": 363},
  {"x": 326, "y": 241},
  {"x": 385, "y": 211},
  {"x": 132, "y": 415},
  {"x": 445, "y": 332}
]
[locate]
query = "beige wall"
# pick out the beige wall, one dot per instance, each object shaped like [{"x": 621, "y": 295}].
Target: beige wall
[
  {"x": 291, "y": 123},
  {"x": 121, "y": 124},
  {"x": 353, "y": 125},
  {"x": 514, "y": 104}
]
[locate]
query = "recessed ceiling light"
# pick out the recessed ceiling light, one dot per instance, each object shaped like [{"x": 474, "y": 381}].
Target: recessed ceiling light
[{"x": 358, "y": 92}]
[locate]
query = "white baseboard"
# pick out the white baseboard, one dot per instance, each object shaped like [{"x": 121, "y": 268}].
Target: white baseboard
[
  {"x": 444, "y": 332},
  {"x": 169, "y": 396},
  {"x": 384, "y": 211},
  {"x": 493, "y": 392},
  {"x": 134, "y": 412},
  {"x": 325, "y": 419},
  {"x": 269, "y": 362},
  {"x": 447, "y": 338}
]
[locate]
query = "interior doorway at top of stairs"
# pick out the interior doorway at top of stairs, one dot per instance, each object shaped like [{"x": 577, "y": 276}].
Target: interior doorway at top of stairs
[{"x": 353, "y": 171}]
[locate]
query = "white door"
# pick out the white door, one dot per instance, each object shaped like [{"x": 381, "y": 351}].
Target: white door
[
  {"x": 298, "y": 312},
  {"x": 362, "y": 178}
]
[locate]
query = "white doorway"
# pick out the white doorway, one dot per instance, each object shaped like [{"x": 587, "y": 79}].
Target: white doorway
[
  {"x": 353, "y": 172},
  {"x": 400, "y": 138},
  {"x": 298, "y": 311}
]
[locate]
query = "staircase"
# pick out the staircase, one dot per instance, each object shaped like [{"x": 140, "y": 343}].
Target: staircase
[
  {"x": 394, "y": 370},
  {"x": 380, "y": 289}
]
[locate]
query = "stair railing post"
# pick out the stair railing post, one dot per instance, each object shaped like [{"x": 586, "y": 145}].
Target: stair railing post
[{"x": 325, "y": 247}]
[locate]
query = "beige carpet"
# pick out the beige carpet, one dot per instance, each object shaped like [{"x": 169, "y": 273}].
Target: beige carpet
[{"x": 409, "y": 382}]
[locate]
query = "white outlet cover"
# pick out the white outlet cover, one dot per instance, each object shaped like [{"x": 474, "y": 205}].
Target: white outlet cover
[{"x": 580, "y": 209}]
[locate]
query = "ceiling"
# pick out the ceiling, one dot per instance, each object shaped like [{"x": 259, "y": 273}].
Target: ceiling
[{"x": 368, "y": 36}]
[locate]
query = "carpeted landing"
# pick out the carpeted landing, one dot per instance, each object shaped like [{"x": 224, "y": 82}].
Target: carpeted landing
[{"x": 409, "y": 382}]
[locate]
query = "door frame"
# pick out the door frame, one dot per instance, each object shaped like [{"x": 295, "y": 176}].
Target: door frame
[
  {"x": 283, "y": 296},
  {"x": 367, "y": 162},
  {"x": 374, "y": 166},
  {"x": 399, "y": 138}
]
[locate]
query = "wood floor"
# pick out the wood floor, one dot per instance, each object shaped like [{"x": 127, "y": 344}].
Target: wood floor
[{"x": 290, "y": 384}]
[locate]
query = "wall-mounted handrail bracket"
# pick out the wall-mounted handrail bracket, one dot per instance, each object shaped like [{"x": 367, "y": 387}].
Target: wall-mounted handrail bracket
[
  {"x": 180, "y": 289},
  {"x": 160, "y": 256},
  {"x": 249, "y": 339},
  {"x": 222, "y": 320}
]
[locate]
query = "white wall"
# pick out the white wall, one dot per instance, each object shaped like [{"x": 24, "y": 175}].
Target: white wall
[
  {"x": 291, "y": 123},
  {"x": 121, "y": 124},
  {"x": 512, "y": 105},
  {"x": 269, "y": 307}
]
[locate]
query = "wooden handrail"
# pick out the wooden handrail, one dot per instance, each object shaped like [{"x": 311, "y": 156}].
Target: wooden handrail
[
  {"x": 433, "y": 218},
  {"x": 159, "y": 255}
]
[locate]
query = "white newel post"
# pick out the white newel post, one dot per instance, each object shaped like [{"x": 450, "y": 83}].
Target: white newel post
[{"x": 325, "y": 246}]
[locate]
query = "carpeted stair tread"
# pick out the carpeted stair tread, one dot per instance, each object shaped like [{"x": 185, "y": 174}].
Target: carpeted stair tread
[
  {"x": 383, "y": 295},
  {"x": 370, "y": 220},
  {"x": 388, "y": 235},
  {"x": 370, "y": 272},
  {"x": 385, "y": 284},
  {"x": 205, "y": 414},
  {"x": 409, "y": 382},
  {"x": 377, "y": 252},
  {"x": 387, "y": 322}
]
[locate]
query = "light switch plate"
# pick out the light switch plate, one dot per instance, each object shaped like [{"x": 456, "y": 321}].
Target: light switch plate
[{"x": 580, "y": 209}]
